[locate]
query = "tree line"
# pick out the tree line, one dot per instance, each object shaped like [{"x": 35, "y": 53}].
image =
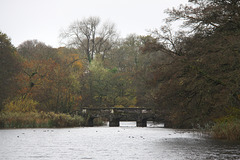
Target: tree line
[{"x": 189, "y": 77}]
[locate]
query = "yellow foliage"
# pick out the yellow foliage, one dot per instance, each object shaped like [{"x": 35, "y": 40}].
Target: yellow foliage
[
  {"x": 78, "y": 98},
  {"x": 132, "y": 106},
  {"x": 21, "y": 105},
  {"x": 74, "y": 60},
  {"x": 118, "y": 106},
  {"x": 77, "y": 64}
]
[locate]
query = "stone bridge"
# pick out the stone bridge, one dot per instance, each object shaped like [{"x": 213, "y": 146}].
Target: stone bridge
[{"x": 115, "y": 115}]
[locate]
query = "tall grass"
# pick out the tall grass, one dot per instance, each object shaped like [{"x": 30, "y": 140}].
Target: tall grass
[
  {"x": 38, "y": 120},
  {"x": 227, "y": 128}
]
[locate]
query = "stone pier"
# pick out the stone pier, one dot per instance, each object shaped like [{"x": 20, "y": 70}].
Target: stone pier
[
  {"x": 90, "y": 122},
  {"x": 142, "y": 123},
  {"x": 114, "y": 123}
]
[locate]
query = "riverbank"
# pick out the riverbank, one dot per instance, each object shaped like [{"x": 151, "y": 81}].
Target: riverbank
[
  {"x": 39, "y": 120},
  {"x": 227, "y": 128}
]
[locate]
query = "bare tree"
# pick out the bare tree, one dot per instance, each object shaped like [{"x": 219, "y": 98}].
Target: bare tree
[
  {"x": 170, "y": 39},
  {"x": 89, "y": 37}
]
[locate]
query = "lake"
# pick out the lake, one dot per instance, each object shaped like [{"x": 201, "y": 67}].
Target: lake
[{"x": 126, "y": 142}]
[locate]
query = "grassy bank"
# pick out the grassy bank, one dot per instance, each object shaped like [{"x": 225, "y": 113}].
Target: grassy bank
[
  {"x": 227, "y": 128},
  {"x": 39, "y": 120}
]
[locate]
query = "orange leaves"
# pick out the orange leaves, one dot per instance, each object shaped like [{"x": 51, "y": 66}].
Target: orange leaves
[
  {"x": 239, "y": 97},
  {"x": 36, "y": 74},
  {"x": 70, "y": 58},
  {"x": 54, "y": 83},
  {"x": 74, "y": 58},
  {"x": 79, "y": 98},
  {"x": 74, "y": 61}
]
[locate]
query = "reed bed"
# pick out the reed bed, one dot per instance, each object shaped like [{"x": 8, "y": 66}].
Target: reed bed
[
  {"x": 39, "y": 120},
  {"x": 227, "y": 128}
]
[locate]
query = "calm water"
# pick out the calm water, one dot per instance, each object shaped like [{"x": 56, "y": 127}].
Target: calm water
[{"x": 118, "y": 143}]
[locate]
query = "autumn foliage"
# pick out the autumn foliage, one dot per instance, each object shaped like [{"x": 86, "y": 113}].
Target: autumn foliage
[{"x": 189, "y": 78}]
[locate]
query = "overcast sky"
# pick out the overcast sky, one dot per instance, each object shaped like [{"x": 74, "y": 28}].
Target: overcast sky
[{"x": 43, "y": 20}]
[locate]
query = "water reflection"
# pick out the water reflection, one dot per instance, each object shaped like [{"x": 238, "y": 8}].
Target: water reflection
[
  {"x": 185, "y": 148},
  {"x": 125, "y": 142},
  {"x": 134, "y": 124}
]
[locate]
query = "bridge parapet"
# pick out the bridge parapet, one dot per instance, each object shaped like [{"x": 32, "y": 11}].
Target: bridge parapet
[
  {"x": 115, "y": 110},
  {"x": 114, "y": 115}
]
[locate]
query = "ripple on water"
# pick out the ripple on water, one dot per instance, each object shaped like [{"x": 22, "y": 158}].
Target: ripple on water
[{"x": 111, "y": 143}]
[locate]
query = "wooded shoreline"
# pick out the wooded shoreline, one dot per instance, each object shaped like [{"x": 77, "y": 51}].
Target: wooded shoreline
[{"x": 189, "y": 77}]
